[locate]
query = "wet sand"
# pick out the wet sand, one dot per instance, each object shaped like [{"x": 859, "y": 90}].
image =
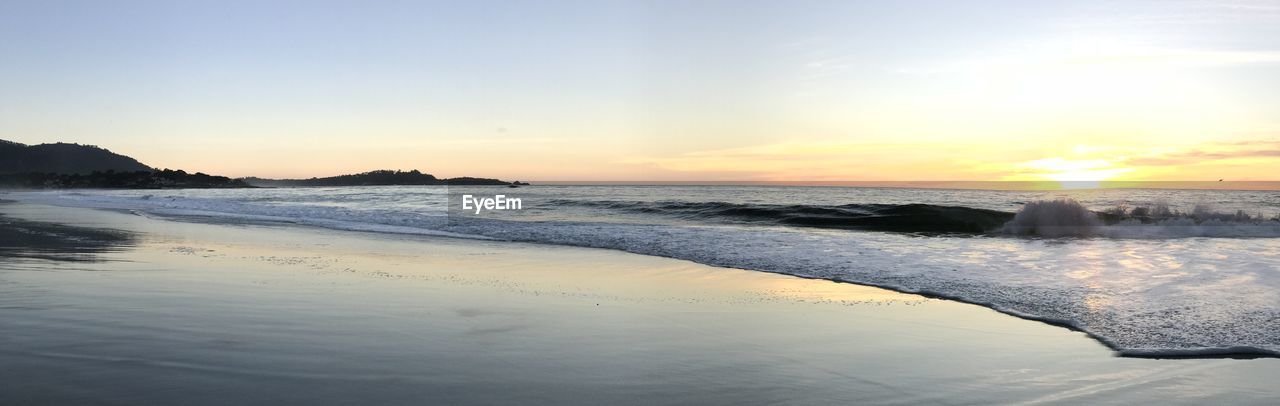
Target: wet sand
[{"x": 180, "y": 312}]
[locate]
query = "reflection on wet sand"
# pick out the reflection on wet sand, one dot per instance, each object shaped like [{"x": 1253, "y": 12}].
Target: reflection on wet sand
[
  {"x": 212, "y": 314},
  {"x": 37, "y": 239}
]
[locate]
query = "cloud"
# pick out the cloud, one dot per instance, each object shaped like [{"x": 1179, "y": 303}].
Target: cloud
[
  {"x": 1091, "y": 55},
  {"x": 1226, "y": 151},
  {"x": 1210, "y": 13},
  {"x": 817, "y": 160},
  {"x": 856, "y": 161}
]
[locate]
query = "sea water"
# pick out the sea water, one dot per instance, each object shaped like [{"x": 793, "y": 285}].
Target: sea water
[{"x": 1149, "y": 272}]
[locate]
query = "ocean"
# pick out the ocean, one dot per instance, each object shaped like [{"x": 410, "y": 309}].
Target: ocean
[{"x": 1148, "y": 272}]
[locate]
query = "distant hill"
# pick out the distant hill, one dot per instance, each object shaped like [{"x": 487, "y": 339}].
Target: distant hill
[
  {"x": 62, "y": 166},
  {"x": 378, "y": 178},
  {"x": 63, "y": 158}
]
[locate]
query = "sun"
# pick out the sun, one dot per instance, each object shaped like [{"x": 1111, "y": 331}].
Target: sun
[
  {"x": 1085, "y": 176},
  {"x": 1071, "y": 173},
  {"x": 1084, "y": 179}
]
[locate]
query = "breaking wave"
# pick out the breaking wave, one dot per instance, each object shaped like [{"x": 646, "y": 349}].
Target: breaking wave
[
  {"x": 909, "y": 218},
  {"x": 1043, "y": 218},
  {"x": 1069, "y": 218},
  {"x": 1053, "y": 218}
]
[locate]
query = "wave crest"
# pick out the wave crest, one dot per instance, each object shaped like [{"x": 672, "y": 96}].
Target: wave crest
[
  {"x": 1069, "y": 218},
  {"x": 907, "y": 218},
  {"x": 1054, "y": 218},
  {"x": 1057, "y": 218}
]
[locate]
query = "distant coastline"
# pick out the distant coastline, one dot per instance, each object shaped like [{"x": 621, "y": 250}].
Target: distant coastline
[
  {"x": 110, "y": 179},
  {"x": 75, "y": 166},
  {"x": 383, "y": 177}
]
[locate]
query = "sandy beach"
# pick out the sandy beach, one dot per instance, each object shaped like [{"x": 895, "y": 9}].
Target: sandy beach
[
  {"x": 638, "y": 202},
  {"x": 192, "y": 313}
]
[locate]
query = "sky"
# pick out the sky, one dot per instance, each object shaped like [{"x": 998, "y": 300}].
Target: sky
[{"x": 656, "y": 90}]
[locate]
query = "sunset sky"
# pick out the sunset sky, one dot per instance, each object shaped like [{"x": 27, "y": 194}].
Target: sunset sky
[{"x": 656, "y": 90}]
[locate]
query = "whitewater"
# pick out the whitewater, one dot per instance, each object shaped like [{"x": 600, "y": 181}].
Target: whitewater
[{"x": 1149, "y": 273}]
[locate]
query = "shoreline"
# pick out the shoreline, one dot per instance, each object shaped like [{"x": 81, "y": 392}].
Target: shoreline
[
  {"x": 1238, "y": 352},
  {"x": 617, "y": 326}
]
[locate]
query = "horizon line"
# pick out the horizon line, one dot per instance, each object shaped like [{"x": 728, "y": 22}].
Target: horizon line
[{"x": 947, "y": 184}]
